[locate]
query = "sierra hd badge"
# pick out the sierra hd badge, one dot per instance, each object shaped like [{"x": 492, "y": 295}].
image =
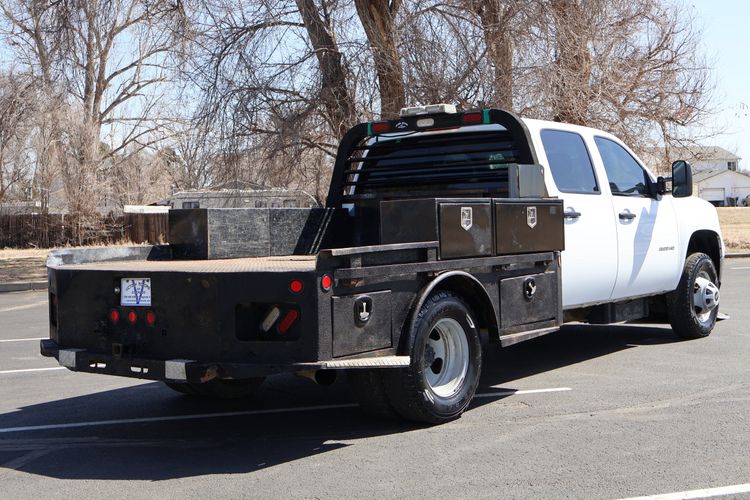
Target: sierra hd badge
[
  {"x": 467, "y": 218},
  {"x": 531, "y": 217}
]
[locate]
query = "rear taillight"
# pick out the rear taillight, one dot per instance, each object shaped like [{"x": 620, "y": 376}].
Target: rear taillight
[
  {"x": 132, "y": 317},
  {"x": 326, "y": 282},
  {"x": 150, "y": 318},
  {"x": 288, "y": 321},
  {"x": 114, "y": 316},
  {"x": 295, "y": 286}
]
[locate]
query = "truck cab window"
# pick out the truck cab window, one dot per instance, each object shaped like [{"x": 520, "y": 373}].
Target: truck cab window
[
  {"x": 626, "y": 176},
  {"x": 569, "y": 162}
]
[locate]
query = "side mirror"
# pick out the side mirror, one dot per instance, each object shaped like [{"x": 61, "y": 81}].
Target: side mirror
[{"x": 682, "y": 179}]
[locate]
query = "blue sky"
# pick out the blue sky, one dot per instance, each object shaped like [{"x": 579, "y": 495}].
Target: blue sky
[{"x": 726, "y": 43}]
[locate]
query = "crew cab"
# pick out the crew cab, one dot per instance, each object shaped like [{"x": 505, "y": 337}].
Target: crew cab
[{"x": 443, "y": 232}]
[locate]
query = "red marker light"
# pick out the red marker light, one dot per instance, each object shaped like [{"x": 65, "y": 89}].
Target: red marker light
[
  {"x": 295, "y": 286},
  {"x": 326, "y": 282},
  {"x": 472, "y": 118},
  {"x": 286, "y": 323},
  {"x": 132, "y": 317},
  {"x": 150, "y": 318},
  {"x": 381, "y": 127},
  {"x": 114, "y": 316}
]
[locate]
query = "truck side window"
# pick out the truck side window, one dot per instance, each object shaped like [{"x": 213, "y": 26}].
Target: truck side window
[
  {"x": 569, "y": 161},
  {"x": 626, "y": 176}
]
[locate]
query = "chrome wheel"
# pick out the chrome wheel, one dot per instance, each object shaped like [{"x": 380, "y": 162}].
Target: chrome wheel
[
  {"x": 705, "y": 296},
  {"x": 446, "y": 358}
]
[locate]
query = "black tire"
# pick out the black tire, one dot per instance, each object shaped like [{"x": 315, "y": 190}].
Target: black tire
[
  {"x": 687, "y": 320},
  {"x": 218, "y": 388},
  {"x": 409, "y": 390}
]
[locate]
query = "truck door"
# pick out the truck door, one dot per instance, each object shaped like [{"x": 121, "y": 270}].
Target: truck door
[
  {"x": 589, "y": 262},
  {"x": 646, "y": 226}
]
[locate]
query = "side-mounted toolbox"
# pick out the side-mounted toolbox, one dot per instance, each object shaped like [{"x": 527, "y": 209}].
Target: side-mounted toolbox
[{"x": 475, "y": 227}]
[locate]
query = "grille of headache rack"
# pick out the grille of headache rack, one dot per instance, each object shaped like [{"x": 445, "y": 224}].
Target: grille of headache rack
[{"x": 441, "y": 164}]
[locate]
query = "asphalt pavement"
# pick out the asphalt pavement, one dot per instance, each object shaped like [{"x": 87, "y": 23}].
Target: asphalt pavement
[{"x": 589, "y": 412}]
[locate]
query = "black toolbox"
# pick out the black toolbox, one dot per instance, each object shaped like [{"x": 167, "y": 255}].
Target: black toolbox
[
  {"x": 528, "y": 226},
  {"x": 475, "y": 227}
]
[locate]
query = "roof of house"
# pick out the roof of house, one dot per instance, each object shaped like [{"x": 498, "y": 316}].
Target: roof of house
[
  {"x": 707, "y": 174},
  {"x": 703, "y": 153}
]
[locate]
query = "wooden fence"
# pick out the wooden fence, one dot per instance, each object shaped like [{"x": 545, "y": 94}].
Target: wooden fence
[{"x": 55, "y": 230}]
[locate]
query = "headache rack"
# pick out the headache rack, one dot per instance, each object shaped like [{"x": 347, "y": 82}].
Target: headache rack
[{"x": 445, "y": 154}]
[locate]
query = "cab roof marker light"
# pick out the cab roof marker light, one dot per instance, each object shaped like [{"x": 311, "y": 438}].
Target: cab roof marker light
[
  {"x": 474, "y": 118},
  {"x": 379, "y": 127},
  {"x": 429, "y": 109}
]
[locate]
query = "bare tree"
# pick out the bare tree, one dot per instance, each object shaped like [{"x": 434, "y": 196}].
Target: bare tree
[
  {"x": 377, "y": 17},
  {"x": 17, "y": 108},
  {"x": 110, "y": 56},
  {"x": 633, "y": 68}
]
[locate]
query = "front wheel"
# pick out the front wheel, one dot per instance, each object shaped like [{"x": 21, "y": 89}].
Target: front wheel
[
  {"x": 446, "y": 361},
  {"x": 694, "y": 305}
]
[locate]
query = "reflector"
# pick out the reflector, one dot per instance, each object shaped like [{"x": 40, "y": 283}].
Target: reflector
[
  {"x": 132, "y": 317},
  {"x": 150, "y": 318},
  {"x": 114, "y": 315}
]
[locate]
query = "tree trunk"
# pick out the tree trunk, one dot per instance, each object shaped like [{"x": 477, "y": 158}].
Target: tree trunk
[
  {"x": 336, "y": 97},
  {"x": 573, "y": 63},
  {"x": 495, "y": 16},
  {"x": 377, "y": 20}
]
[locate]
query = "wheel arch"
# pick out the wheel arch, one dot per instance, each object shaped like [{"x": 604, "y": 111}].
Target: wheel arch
[
  {"x": 469, "y": 288},
  {"x": 708, "y": 242}
]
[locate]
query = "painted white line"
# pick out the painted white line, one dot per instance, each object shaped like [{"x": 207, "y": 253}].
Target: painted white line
[
  {"x": 736, "y": 268},
  {"x": 707, "y": 493},
  {"x": 22, "y": 340},
  {"x": 199, "y": 416},
  {"x": 4, "y": 372},
  {"x": 25, "y": 306},
  {"x": 513, "y": 393},
  {"x": 172, "y": 418}
]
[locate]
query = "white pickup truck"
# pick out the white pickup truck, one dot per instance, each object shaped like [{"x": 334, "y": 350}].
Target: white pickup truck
[
  {"x": 625, "y": 236},
  {"x": 442, "y": 229}
]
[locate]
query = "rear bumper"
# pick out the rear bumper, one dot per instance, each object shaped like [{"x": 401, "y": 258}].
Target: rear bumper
[{"x": 185, "y": 370}]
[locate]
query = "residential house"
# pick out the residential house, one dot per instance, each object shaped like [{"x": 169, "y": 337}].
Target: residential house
[{"x": 722, "y": 187}]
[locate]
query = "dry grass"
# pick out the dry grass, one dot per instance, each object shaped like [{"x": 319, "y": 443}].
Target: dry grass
[
  {"x": 735, "y": 227},
  {"x": 25, "y": 264}
]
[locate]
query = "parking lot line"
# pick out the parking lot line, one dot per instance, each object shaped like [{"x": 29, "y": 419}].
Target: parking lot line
[
  {"x": 171, "y": 418},
  {"x": 199, "y": 416},
  {"x": 22, "y": 340},
  {"x": 5, "y": 372},
  {"x": 512, "y": 393},
  {"x": 23, "y": 307},
  {"x": 705, "y": 493}
]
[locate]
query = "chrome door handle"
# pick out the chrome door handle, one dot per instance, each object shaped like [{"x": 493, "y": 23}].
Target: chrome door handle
[
  {"x": 571, "y": 214},
  {"x": 626, "y": 216}
]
